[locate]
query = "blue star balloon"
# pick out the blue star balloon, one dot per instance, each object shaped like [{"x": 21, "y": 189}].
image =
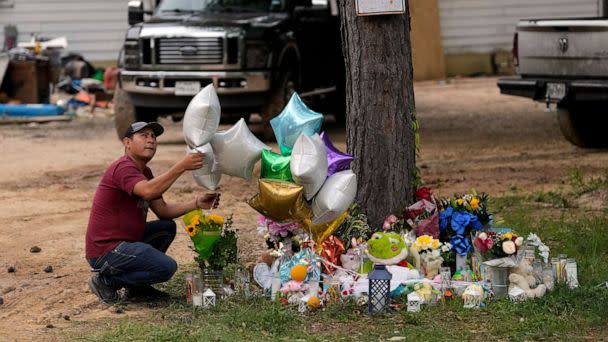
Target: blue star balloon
[{"x": 294, "y": 120}]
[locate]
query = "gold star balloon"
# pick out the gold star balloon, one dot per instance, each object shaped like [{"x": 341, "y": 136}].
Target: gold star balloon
[
  {"x": 320, "y": 232},
  {"x": 280, "y": 201}
]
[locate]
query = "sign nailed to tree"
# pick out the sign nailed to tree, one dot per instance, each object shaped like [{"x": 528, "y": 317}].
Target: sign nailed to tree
[{"x": 377, "y": 7}]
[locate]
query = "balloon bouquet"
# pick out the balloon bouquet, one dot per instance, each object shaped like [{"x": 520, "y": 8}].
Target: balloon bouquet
[{"x": 309, "y": 183}]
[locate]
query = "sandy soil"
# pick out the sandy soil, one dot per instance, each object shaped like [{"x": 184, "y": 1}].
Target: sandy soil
[{"x": 471, "y": 137}]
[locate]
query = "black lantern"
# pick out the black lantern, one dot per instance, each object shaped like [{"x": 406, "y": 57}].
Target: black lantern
[{"x": 379, "y": 294}]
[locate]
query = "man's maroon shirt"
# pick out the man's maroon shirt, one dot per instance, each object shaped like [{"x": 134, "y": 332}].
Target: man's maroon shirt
[{"x": 117, "y": 213}]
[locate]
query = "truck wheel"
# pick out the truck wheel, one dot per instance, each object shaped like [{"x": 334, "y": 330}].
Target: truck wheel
[
  {"x": 584, "y": 124},
  {"x": 278, "y": 97},
  {"x": 124, "y": 112}
]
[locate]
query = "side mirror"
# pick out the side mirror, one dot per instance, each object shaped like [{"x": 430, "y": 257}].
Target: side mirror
[{"x": 136, "y": 12}]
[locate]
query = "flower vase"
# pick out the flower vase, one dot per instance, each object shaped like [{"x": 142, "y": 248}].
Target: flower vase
[
  {"x": 499, "y": 277},
  {"x": 461, "y": 262},
  {"x": 212, "y": 279}
]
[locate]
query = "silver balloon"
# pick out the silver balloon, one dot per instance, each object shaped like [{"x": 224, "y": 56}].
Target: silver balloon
[
  {"x": 309, "y": 163},
  {"x": 202, "y": 117},
  {"x": 207, "y": 176},
  {"x": 335, "y": 197},
  {"x": 237, "y": 150}
]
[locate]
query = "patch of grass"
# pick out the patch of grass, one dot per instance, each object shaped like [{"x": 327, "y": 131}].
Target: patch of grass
[
  {"x": 582, "y": 184},
  {"x": 563, "y": 314}
]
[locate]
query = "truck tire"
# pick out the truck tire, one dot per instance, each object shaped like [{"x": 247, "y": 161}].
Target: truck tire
[
  {"x": 278, "y": 97},
  {"x": 584, "y": 124},
  {"x": 124, "y": 112}
]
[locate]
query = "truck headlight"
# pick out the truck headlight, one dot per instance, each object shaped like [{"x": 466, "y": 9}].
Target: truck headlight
[
  {"x": 256, "y": 56},
  {"x": 131, "y": 54}
]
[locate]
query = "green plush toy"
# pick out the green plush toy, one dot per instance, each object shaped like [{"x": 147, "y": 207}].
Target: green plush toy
[{"x": 385, "y": 249}]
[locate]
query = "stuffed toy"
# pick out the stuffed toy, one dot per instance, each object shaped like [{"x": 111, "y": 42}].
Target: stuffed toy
[
  {"x": 525, "y": 270},
  {"x": 522, "y": 284},
  {"x": 517, "y": 282},
  {"x": 386, "y": 249}
]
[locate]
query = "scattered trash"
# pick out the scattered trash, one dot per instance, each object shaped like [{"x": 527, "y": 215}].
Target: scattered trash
[
  {"x": 66, "y": 317},
  {"x": 48, "y": 269},
  {"x": 35, "y": 249},
  {"x": 11, "y": 269}
]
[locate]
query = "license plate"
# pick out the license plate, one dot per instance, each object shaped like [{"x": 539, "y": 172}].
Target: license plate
[
  {"x": 183, "y": 88},
  {"x": 555, "y": 91}
]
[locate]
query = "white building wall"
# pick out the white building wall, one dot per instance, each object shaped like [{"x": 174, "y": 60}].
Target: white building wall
[
  {"x": 482, "y": 26},
  {"x": 95, "y": 29}
]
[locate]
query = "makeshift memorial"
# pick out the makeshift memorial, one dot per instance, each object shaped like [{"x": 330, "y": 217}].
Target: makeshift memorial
[
  {"x": 275, "y": 166},
  {"x": 207, "y": 176},
  {"x": 320, "y": 232},
  {"x": 429, "y": 250},
  {"x": 236, "y": 150},
  {"x": 379, "y": 289},
  {"x": 309, "y": 164},
  {"x": 336, "y": 160},
  {"x": 335, "y": 197},
  {"x": 295, "y": 119},
  {"x": 202, "y": 117},
  {"x": 278, "y": 232},
  {"x": 280, "y": 201}
]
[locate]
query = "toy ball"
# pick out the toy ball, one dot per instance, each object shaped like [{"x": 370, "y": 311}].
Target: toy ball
[
  {"x": 298, "y": 272},
  {"x": 313, "y": 303}
]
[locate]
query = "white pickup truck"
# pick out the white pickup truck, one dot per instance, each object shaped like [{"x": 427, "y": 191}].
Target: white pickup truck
[{"x": 565, "y": 62}]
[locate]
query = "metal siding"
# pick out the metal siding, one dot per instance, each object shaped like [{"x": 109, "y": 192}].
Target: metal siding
[
  {"x": 95, "y": 29},
  {"x": 482, "y": 26}
]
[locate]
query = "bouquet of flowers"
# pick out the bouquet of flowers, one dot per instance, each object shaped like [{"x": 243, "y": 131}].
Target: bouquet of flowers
[
  {"x": 214, "y": 241},
  {"x": 461, "y": 215},
  {"x": 498, "y": 245},
  {"x": 430, "y": 251},
  {"x": 278, "y": 234},
  {"x": 422, "y": 215}
]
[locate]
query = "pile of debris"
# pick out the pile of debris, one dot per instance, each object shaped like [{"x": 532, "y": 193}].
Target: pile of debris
[{"x": 41, "y": 81}]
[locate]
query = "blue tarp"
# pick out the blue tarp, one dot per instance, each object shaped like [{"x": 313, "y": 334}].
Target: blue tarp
[{"x": 30, "y": 110}]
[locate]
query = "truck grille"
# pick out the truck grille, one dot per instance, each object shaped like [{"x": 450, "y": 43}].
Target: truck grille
[{"x": 208, "y": 50}]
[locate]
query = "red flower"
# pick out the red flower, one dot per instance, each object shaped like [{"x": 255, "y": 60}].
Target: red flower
[
  {"x": 483, "y": 245},
  {"x": 423, "y": 193}
]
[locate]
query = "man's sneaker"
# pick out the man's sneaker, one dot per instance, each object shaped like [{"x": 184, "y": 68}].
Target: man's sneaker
[
  {"x": 107, "y": 294},
  {"x": 145, "y": 292}
]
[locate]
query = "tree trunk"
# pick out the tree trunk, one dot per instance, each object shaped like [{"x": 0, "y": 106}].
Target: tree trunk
[{"x": 380, "y": 109}]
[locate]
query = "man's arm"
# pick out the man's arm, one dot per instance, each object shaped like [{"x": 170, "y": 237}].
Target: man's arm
[
  {"x": 154, "y": 188},
  {"x": 170, "y": 211}
]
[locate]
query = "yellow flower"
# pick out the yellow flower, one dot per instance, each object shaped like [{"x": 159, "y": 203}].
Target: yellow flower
[
  {"x": 507, "y": 236},
  {"x": 191, "y": 229},
  {"x": 459, "y": 201},
  {"x": 424, "y": 240},
  {"x": 435, "y": 244},
  {"x": 196, "y": 220},
  {"x": 217, "y": 219},
  {"x": 474, "y": 203}
]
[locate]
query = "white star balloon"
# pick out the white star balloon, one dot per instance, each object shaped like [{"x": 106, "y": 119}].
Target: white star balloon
[
  {"x": 335, "y": 197},
  {"x": 309, "y": 163},
  {"x": 202, "y": 117},
  {"x": 237, "y": 150},
  {"x": 207, "y": 176}
]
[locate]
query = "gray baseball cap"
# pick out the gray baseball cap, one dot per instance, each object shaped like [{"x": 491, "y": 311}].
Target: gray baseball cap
[{"x": 139, "y": 125}]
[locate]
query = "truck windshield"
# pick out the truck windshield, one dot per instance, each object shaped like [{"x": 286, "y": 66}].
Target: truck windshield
[{"x": 194, "y": 6}]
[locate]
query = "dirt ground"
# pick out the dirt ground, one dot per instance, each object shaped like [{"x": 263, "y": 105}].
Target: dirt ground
[{"x": 471, "y": 137}]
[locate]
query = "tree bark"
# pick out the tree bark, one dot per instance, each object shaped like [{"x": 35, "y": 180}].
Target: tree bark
[{"x": 380, "y": 109}]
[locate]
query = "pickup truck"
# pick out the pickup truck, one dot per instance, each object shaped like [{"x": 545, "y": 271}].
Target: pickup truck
[
  {"x": 256, "y": 53},
  {"x": 565, "y": 62}
]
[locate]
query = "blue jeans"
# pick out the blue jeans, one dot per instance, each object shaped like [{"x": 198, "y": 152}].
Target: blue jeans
[{"x": 132, "y": 264}]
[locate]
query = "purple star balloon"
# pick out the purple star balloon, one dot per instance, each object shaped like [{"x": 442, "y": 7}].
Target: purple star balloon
[{"x": 336, "y": 160}]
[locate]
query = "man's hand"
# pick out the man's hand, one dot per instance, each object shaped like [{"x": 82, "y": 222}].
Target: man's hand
[
  {"x": 208, "y": 200},
  {"x": 192, "y": 161}
]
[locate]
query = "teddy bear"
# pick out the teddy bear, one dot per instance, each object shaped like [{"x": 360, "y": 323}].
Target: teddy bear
[{"x": 521, "y": 279}]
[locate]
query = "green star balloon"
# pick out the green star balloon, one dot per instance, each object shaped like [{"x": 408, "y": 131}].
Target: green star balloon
[{"x": 275, "y": 166}]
